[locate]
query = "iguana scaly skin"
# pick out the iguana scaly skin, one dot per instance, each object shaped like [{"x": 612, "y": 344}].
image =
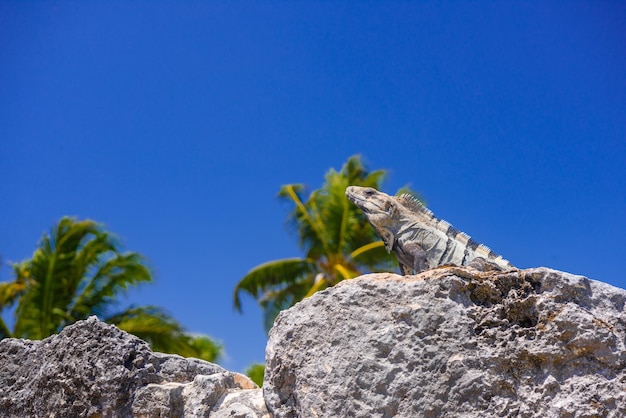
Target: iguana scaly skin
[{"x": 418, "y": 239}]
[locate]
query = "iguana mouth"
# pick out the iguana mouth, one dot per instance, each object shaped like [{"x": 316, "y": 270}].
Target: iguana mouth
[{"x": 359, "y": 202}]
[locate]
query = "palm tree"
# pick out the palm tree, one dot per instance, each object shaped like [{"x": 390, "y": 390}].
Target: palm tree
[
  {"x": 78, "y": 270},
  {"x": 338, "y": 243}
]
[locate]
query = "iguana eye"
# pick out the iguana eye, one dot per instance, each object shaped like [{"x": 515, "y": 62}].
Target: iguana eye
[{"x": 369, "y": 192}]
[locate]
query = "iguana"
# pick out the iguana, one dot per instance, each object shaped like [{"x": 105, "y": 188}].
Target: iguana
[{"x": 418, "y": 239}]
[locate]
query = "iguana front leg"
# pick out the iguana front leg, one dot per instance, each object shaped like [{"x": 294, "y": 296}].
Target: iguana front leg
[
  {"x": 411, "y": 258},
  {"x": 405, "y": 270}
]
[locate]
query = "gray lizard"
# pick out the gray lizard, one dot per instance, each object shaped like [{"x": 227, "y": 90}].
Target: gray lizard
[{"x": 418, "y": 239}]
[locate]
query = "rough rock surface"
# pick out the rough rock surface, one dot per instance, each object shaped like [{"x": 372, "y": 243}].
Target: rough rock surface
[
  {"x": 452, "y": 342},
  {"x": 92, "y": 369}
]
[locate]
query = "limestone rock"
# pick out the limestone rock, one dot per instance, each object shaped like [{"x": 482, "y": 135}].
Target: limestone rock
[
  {"x": 242, "y": 404},
  {"x": 452, "y": 342},
  {"x": 92, "y": 369}
]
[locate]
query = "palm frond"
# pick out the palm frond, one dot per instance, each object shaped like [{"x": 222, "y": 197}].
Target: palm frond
[
  {"x": 111, "y": 278},
  {"x": 202, "y": 347},
  {"x": 278, "y": 299},
  {"x": 346, "y": 272},
  {"x": 304, "y": 218},
  {"x": 164, "y": 334},
  {"x": 334, "y": 209},
  {"x": 273, "y": 274},
  {"x": 318, "y": 284},
  {"x": 373, "y": 257},
  {"x": 367, "y": 247}
]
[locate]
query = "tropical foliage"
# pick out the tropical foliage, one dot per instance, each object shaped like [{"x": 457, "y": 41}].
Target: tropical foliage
[
  {"x": 337, "y": 241},
  {"x": 256, "y": 372},
  {"x": 78, "y": 270}
]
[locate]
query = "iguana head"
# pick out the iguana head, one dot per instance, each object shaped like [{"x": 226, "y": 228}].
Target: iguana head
[{"x": 380, "y": 209}]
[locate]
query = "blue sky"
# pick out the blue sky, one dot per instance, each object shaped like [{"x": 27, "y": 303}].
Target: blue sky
[{"x": 175, "y": 124}]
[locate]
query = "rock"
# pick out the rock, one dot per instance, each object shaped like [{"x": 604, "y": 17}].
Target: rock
[
  {"x": 452, "y": 342},
  {"x": 93, "y": 369},
  {"x": 242, "y": 404},
  {"x": 448, "y": 342}
]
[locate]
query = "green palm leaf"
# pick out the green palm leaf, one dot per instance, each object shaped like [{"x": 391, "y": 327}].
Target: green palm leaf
[
  {"x": 110, "y": 277},
  {"x": 271, "y": 276},
  {"x": 164, "y": 333},
  {"x": 304, "y": 218}
]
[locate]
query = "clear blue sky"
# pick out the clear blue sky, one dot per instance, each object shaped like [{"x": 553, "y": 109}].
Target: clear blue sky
[{"x": 175, "y": 124}]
